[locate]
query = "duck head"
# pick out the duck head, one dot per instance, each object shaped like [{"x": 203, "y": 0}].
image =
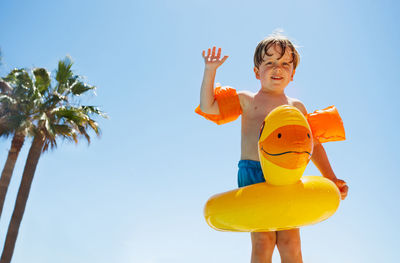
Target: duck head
[{"x": 285, "y": 145}]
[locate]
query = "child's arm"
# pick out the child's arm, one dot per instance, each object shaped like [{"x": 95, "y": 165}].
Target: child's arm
[
  {"x": 212, "y": 61},
  {"x": 320, "y": 159}
]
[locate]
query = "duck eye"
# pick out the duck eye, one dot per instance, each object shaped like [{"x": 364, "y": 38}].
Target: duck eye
[
  {"x": 279, "y": 135},
  {"x": 308, "y": 135}
]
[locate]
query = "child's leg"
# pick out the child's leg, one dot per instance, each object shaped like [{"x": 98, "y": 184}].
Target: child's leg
[
  {"x": 263, "y": 244},
  {"x": 289, "y": 245}
]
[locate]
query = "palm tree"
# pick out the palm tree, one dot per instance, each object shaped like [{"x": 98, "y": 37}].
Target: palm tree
[
  {"x": 57, "y": 115},
  {"x": 9, "y": 123},
  {"x": 17, "y": 102}
]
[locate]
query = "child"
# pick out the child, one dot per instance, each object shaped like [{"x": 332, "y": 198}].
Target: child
[{"x": 275, "y": 62}]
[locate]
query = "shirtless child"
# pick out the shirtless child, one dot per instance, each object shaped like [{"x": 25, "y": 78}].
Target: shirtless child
[{"x": 275, "y": 61}]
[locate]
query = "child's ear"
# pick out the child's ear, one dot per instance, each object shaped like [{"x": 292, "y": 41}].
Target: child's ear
[
  {"x": 294, "y": 71},
  {"x": 256, "y": 72}
]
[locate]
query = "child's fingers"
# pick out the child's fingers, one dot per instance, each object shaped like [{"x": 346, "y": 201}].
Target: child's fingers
[
  {"x": 343, "y": 192},
  {"x": 343, "y": 188},
  {"x": 340, "y": 183},
  {"x": 224, "y": 58},
  {"x": 219, "y": 52},
  {"x": 211, "y": 53}
]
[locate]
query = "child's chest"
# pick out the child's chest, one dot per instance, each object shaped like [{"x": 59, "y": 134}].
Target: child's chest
[{"x": 259, "y": 108}]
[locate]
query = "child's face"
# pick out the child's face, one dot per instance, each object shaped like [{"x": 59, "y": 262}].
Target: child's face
[{"x": 275, "y": 72}]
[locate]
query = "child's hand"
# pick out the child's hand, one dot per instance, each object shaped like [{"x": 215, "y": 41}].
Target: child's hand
[
  {"x": 213, "y": 61},
  {"x": 343, "y": 188}
]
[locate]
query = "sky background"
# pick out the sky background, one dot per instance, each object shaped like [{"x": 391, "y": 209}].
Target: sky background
[{"x": 137, "y": 193}]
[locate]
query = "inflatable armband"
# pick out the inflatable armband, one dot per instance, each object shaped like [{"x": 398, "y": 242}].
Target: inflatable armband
[
  {"x": 326, "y": 125},
  {"x": 228, "y": 103}
]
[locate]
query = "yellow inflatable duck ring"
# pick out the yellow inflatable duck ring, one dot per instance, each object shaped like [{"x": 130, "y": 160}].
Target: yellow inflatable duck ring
[{"x": 287, "y": 199}]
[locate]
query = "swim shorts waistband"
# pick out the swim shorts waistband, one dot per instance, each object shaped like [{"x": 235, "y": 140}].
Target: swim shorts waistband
[{"x": 249, "y": 164}]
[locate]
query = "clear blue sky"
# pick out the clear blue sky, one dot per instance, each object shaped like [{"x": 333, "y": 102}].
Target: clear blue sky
[{"x": 137, "y": 193}]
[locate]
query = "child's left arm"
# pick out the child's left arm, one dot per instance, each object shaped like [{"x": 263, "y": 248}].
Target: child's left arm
[{"x": 320, "y": 159}]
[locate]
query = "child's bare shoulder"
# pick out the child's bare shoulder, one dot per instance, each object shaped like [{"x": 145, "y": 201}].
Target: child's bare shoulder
[
  {"x": 298, "y": 104},
  {"x": 245, "y": 98}
]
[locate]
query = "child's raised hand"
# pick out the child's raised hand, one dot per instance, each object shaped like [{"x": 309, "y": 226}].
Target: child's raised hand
[
  {"x": 343, "y": 188},
  {"x": 212, "y": 60}
]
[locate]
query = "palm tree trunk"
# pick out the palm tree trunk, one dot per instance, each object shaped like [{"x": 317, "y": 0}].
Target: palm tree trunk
[
  {"x": 22, "y": 197},
  {"x": 16, "y": 145}
]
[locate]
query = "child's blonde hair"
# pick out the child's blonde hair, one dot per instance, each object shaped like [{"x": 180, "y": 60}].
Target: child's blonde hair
[{"x": 275, "y": 38}]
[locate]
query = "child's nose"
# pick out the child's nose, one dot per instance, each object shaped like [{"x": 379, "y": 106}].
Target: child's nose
[{"x": 277, "y": 67}]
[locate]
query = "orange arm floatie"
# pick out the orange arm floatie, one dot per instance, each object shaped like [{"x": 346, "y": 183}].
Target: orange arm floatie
[
  {"x": 228, "y": 104},
  {"x": 326, "y": 125}
]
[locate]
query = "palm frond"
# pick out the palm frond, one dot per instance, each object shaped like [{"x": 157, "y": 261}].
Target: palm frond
[
  {"x": 42, "y": 79},
  {"x": 79, "y": 88},
  {"x": 5, "y": 88},
  {"x": 23, "y": 82},
  {"x": 52, "y": 101},
  {"x": 13, "y": 122},
  {"x": 4, "y": 132},
  {"x": 46, "y": 126},
  {"x": 62, "y": 129},
  {"x": 11, "y": 76},
  {"x": 73, "y": 80},
  {"x": 94, "y": 126},
  {"x": 71, "y": 114},
  {"x": 93, "y": 110},
  {"x": 7, "y": 100},
  {"x": 75, "y": 136},
  {"x": 83, "y": 132},
  {"x": 64, "y": 73},
  {"x": 49, "y": 144}
]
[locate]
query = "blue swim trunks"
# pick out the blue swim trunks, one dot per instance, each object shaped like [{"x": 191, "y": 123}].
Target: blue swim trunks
[{"x": 249, "y": 173}]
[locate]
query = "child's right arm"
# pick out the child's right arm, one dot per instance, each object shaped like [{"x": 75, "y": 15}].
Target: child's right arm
[{"x": 212, "y": 61}]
